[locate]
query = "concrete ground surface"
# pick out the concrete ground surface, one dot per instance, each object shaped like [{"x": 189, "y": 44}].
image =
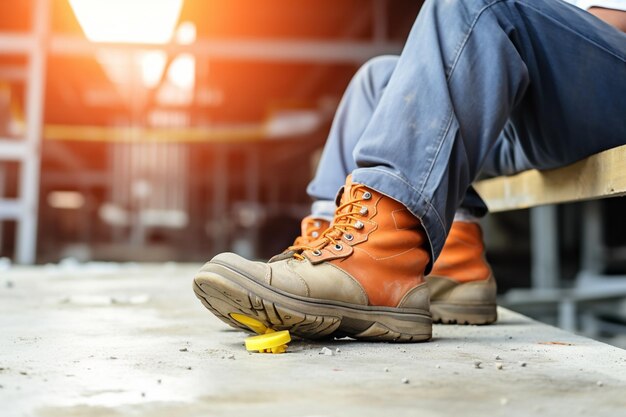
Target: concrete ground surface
[{"x": 132, "y": 340}]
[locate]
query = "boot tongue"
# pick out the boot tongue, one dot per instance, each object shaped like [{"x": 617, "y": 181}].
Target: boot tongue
[
  {"x": 305, "y": 225},
  {"x": 345, "y": 194}
]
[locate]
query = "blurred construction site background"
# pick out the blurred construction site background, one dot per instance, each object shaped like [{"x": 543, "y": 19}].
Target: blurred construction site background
[{"x": 171, "y": 130}]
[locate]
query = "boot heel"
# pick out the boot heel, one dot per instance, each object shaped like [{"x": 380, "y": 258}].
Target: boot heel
[{"x": 449, "y": 313}]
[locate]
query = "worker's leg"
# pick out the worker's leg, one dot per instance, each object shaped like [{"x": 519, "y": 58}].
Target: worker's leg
[
  {"x": 461, "y": 283},
  {"x": 468, "y": 66},
  {"x": 353, "y": 114},
  {"x": 352, "y": 117}
]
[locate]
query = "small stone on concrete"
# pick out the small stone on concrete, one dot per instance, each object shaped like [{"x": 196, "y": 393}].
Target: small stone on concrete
[
  {"x": 438, "y": 366},
  {"x": 477, "y": 364},
  {"x": 158, "y": 381},
  {"x": 231, "y": 356},
  {"x": 499, "y": 366},
  {"x": 405, "y": 380},
  {"x": 183, "y": 350},
  {"x": 498, "y": 358},
  {"x": 189, "y": 368},
  {"x": 386, "y": 369},
  {"x": 337, "y": 350},
  {"x": 143, "y": 394},
  {"x": 523, "y": 364},
  {"x": 600, "y": 383},
  {"x": 326, "y": 351}
]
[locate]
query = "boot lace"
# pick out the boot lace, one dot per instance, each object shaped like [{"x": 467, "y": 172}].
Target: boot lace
[{"x": 347, "y": 218}]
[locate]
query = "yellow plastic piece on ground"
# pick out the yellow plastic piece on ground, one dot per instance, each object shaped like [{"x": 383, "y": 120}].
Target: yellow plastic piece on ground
[
  {"x": 253, "y": 324},
  {"x": 274, "y": 342},
  {"x": 268, "y": 340}
]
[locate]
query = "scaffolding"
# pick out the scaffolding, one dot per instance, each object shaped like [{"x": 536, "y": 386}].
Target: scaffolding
[{"x": 26, "y": 151}]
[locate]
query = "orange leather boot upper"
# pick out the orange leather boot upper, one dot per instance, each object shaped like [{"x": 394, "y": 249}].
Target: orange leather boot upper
[
  {"x": 311, "y": 228},
  {"x": 378, "y": 242},
  {"x": 463, "y": 256}
]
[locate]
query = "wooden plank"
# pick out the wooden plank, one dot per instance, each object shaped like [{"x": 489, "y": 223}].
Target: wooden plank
[{"x": 598, "y": 176}]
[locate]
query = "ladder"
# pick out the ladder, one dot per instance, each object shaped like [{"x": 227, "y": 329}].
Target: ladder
[{"x": 26, "y": 150}]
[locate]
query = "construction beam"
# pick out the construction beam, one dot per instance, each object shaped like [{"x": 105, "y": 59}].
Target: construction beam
[
  {"x": 13, "y": 149},
  {"x": 598, "y": 176},
  {"x": 259, "y": 50},
  {"x": 26, "y": 248},
  {"x": 10, "y": 209},
  {"x": 16, "y": 43}
]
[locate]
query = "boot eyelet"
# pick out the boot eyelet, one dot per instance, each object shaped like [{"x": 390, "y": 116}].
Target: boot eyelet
[
  {"x": 315, "y": 234},
  {"x": 359, "y": 225},
  {"x": 363, "y": 211},
  {"x": 338, "y": 247},
  {"x": 367, "y": 195},
  {"x": 349, "y": 237},
  {"x": 317, "y": 252}
]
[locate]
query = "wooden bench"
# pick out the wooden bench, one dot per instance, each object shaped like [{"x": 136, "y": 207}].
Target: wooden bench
[{"x": 599, "y": 176}]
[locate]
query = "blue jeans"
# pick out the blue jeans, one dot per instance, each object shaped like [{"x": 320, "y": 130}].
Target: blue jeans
[{"x": 493, "y": 86}]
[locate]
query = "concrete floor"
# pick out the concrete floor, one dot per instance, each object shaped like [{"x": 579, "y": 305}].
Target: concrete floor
[{"x": 122, "y": 340}]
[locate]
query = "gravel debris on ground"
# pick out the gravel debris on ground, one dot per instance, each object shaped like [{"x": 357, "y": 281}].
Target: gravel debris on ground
[
  {"x": 499, "y": 366},
  {"x": 326, "y": 351},
  {"x": 477, "y": 364},
  {"x": 405, "y": 380}
]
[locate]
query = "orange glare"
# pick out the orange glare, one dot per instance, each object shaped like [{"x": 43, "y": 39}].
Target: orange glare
[{"x": 128, "y": 21}]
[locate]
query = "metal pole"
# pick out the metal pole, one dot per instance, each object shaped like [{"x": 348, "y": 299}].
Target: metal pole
[
  {"x": 219, "y": 225},
  {"x": 252, "y": 193},
  {"x": 379, "y": 12},
  {"x": 592, "y": 249},
  {"x": 30, "y": 168},
  {"x": 544, "y": 247}
]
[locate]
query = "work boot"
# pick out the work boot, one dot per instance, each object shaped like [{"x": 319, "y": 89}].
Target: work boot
[
  {"x": 462, "y": 287},
  {"x": 363, "y": 278},
  {"x": 463, "y": 290}
]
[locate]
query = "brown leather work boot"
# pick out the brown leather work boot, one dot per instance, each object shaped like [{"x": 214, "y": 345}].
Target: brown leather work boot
[
  {"x": 311, "y": 228},
  {"x": 364, "y": 277},
  {"x": 462, "y": 287}
]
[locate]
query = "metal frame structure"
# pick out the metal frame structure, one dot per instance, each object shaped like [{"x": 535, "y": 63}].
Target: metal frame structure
[
  {"x": 26, "y": 150},
  {"x": 41, "y": 43}
]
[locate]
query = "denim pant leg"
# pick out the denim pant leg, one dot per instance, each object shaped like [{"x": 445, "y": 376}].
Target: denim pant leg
[
  {"x": 554, "y": 72},
  {"x": 352, "y": 116}
]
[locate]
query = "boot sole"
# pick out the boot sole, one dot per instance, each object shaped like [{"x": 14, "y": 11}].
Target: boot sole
[
  {"x": 225, "y": 291},
  {"x": 450, "y": 313}
]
